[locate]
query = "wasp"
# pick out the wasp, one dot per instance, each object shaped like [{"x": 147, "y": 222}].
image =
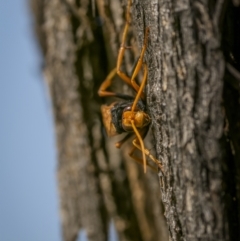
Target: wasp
[{"x": 129, "y": 115}]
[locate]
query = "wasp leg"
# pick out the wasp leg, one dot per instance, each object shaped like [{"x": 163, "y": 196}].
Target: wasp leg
[
  {"x": 120, "y": 143},
  {"x": 147, "y": 152},
  {"x": 121, "y": 74},
  {"x": 140, "y": 91},
  {"x": 102, "y": 90},
  {"x": 106, "y": 83},
  {"x": 140, "y": 60},
  {"x": 139, "y": 160},
  {"x": 143, "y": 133}
]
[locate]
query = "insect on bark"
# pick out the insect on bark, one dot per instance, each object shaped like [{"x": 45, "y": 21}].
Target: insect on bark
[{"x": 129, "y": 115}]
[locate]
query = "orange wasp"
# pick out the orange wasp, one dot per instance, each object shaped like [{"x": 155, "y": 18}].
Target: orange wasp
[{"x": 129, "y": 115}]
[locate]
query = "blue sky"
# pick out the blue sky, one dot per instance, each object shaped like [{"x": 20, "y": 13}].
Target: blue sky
[
  {"x": 28, "y": 189},
  {"x": 28, "y": 186}
]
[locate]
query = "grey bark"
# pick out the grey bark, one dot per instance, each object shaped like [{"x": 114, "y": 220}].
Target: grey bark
[
  {"x": 185, "y": 88},
  {"x": 195, "y": 135},
  {"x": 186, "y": 83}
]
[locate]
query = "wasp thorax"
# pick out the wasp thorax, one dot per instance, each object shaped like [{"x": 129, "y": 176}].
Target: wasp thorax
[{"x": 139, "y": 118}]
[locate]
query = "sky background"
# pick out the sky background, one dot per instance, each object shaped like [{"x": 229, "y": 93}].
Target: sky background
[
  {"x": 28, "y": 190},
  {"x": 28, "y": 187}
]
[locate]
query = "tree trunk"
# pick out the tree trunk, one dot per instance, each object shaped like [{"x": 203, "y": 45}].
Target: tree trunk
[{"x": 192, "y": 56}]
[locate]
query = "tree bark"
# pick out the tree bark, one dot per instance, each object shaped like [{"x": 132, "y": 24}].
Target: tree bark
[
  {"x": 196, "y": 136},
  {"x": 185, "y": 83}
]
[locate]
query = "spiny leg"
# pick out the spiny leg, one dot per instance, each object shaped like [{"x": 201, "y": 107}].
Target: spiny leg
[{"x": 147, "y": 152}]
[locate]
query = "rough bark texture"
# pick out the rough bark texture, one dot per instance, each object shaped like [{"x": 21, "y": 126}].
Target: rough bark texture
[{"x": 196, "y": 136}]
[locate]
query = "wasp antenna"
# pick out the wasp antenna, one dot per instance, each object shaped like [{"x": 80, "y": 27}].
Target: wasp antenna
[{"x": 142, "y": 146}]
